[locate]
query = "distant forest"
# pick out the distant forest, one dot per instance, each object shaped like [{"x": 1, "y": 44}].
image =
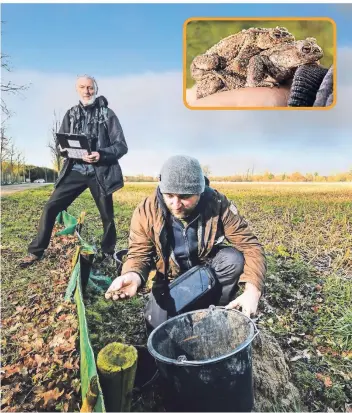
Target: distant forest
[{"x": 266, "y": 177}]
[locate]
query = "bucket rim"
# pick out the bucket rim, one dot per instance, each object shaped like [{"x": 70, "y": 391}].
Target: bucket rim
[{"x": 253, "y": 333}]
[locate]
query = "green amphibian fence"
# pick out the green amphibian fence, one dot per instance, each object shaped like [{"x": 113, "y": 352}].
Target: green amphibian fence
[{"x": 92, "y": 396}]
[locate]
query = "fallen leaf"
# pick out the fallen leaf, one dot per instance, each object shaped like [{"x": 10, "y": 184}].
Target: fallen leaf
[
  {"x": 51, "y": 395},
  {"x": 328, "y": 381},
  {"x": 29, "y": 362},
  {"x": 11, "y": 370},
  {"x": 57, "y": 340},
  {"x": 24, "y": 371},
  {"x": 5, "y": 401},
  {"x": 24, "y": 338},
  {"x": 59, "y": 309},
  {"x": 68, "y": 333},
  {"x": 39, "y": 359},
  {"x": 17, "y": 388},
  {"x": 347, "y": 354},
  {"x": 319, "y": 376},
  {"x": 68, "y": 365},
  {"x": 15, "y": 327},
  {"x": 38, "y": 343}
]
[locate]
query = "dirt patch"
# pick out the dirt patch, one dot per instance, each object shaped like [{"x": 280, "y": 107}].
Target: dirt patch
[{"x": 273, "y": 389}]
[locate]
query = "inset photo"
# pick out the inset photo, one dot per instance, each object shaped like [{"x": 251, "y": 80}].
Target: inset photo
[{"x": 259, "y": 63}]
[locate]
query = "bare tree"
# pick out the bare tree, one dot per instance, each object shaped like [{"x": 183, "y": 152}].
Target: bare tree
[
  {"x": 12, "y": 156},
  {"x": 7, "y": 86},
  {"x": 55, "y": 153},
  {"x": 8, "y": 151},
  {"x": 206, "y": 170},
  {"x": 19, "y": 166},
  {"x": 5, "y": 143}
]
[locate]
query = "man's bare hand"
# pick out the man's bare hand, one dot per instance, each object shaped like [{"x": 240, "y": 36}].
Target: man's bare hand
[
  {"x": 92, "y": 158},
  {"x": 248, "y": 300},
  {"x": 241, "y": 98},
  {"x": 124, "y": 286}
]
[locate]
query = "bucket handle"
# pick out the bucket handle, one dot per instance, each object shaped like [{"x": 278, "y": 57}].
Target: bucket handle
[{"x": 256, "y": 331}]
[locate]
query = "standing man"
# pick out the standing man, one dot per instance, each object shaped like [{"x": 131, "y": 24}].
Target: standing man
[
  {"x": 188, "y": 222},
  {"x": 100, "y": 171}
]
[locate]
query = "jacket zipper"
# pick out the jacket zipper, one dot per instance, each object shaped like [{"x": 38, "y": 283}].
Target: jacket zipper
[{"x": 186, "y": 240}]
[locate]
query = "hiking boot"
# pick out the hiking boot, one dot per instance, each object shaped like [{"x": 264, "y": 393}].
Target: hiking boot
[{"x": 30, "y": 259}]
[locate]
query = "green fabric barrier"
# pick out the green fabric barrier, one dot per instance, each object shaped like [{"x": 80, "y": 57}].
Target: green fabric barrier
[
  {"x": 88, "y": 368},
  {"x": 71, "y": 287},
  {"x": 69, "y": 221}
]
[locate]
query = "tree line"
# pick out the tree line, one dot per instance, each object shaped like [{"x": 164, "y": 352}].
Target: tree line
[{"x": 249, "y": 176}]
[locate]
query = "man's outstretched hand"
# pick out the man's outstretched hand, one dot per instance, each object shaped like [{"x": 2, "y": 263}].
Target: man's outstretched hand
[
  {"x": 241, "y": 98},
  {"x": 124, "y": 286},
  {"x": 248, "y": 300}
]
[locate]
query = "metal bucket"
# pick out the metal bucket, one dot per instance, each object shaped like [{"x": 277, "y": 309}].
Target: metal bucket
[{"x": 205, "y": 359}]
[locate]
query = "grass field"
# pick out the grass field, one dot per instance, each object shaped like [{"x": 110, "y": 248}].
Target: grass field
[{"x": 307, "y": 233}]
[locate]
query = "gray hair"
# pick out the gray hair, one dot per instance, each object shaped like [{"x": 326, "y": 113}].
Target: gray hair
[{"x": 92, "y": 79}]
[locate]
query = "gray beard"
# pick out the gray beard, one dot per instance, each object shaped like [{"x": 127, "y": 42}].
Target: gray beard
[{"x": 91, "y": 100}]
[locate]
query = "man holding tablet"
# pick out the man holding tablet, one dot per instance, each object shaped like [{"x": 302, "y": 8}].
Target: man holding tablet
[{"x": 97, "y": 168}]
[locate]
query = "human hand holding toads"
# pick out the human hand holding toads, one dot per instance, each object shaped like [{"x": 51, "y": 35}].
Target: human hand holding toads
[{"x": 124, "y": 286}]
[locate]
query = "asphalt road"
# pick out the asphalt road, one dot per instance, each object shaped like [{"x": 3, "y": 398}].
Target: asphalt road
[{"x": 10, "y": 189}]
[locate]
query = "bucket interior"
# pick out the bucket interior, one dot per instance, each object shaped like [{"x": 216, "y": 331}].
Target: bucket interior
[{"x": 200, "y": 335}]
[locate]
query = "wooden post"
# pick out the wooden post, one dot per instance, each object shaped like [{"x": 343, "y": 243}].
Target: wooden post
[
  {"x": 117, "y": 364},
  {"x": 91, "y": 396}
]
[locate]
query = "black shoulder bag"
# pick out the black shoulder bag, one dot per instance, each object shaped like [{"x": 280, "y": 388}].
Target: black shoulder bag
[{"x": 195, "y": 289}]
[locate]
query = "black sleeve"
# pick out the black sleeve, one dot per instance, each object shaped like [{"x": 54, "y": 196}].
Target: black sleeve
[
  {"x": 65, "y": 124},
  {"x": 118, "y": 146},
  {"x": 305, "y": 85}
]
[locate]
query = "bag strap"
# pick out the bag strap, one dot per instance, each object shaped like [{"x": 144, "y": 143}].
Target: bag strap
[{"x": 167, "y": 257}]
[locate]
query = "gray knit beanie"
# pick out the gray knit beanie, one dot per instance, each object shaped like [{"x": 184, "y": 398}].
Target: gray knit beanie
[{"x": 181, "y": 175}]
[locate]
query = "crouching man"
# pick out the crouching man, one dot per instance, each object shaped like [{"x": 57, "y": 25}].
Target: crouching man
[{"x": 183, "y": 224}]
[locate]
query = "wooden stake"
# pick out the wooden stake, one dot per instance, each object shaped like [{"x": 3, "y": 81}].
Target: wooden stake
[
  {"x": 117, "y": 364},
  {"x": 91, "y": 396}
]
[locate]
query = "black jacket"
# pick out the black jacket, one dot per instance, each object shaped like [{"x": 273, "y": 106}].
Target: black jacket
[{"x": 111, "y": 146}]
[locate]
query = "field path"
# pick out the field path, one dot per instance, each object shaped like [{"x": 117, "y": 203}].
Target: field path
[{"x": 10, "y": 189}]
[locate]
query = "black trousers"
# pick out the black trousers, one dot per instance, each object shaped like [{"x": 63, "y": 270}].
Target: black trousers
[
  {"x": 69, "y": 189},
  {"x": 227, "y": 263}
]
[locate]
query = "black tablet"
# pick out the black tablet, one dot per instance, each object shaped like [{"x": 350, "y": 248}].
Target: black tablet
[{"x": 76, "y": 145}]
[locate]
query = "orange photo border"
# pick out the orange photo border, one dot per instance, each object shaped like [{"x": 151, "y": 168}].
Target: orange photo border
[{"x": 258, "y": 19}]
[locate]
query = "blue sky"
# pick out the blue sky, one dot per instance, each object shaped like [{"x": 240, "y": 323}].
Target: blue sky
[
  {"x": 48, "y": 36},
  {"x": 135, "y": 53}
]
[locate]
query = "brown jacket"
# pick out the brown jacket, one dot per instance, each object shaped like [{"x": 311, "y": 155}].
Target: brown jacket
[{"x": 147, "y": 239}]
